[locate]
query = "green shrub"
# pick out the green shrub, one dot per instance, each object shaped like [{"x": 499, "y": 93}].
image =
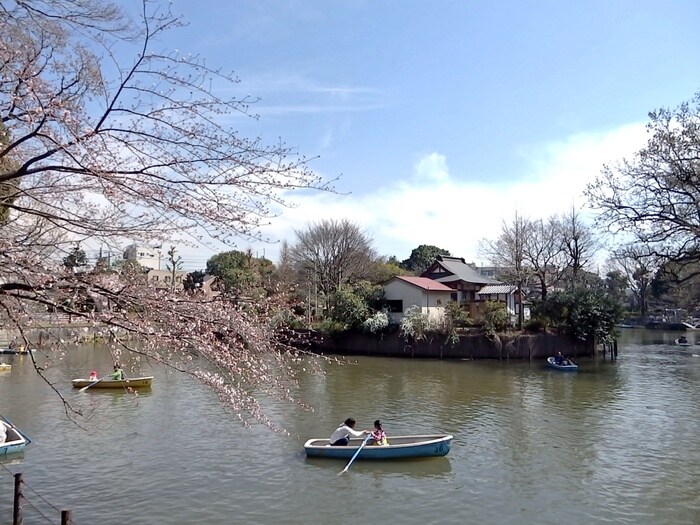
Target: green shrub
[
  {"x": 494, "y": 317},
  {"x": 584, "y": 314},
  {"x": 331, "y": 326}
]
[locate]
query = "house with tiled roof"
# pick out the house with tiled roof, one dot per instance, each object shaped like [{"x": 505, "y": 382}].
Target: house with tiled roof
[
  {"x": 470, "y": 288},
  {"x": 506, "y": 294},
  {"x": 403, "y": 292},
  {"x": 455, "y": 273}
]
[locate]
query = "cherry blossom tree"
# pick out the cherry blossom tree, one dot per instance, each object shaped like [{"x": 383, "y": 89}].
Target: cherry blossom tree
[{"x": 104, "y": 136}]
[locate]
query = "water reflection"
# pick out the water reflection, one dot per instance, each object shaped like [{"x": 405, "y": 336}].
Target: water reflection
[
  {"x": 12, "y": 459},
  {"x": 116, "y": 393},
  {"x": 414, "y": 468}
]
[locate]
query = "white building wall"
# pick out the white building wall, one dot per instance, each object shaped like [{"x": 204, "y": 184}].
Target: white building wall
[
  {"x": 147, "y": 256},
  {"x": 415, "y": 296}
]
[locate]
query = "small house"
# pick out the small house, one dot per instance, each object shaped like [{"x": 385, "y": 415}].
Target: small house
[{"x": 403, "y": 292}]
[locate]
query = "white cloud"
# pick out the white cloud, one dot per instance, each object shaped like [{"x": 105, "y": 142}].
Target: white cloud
[
  {"x": 435, "y": 207},
  {"x": 433, "y": 167}
]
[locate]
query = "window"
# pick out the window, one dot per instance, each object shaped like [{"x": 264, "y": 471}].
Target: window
[
  {"x": 453, "y": 296},
  {"x": 438, "y": 302},
  {"x": 395, "y": 306}
]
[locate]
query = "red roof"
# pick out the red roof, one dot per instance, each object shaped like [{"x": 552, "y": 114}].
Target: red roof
[{"x": 425, "y": 283}]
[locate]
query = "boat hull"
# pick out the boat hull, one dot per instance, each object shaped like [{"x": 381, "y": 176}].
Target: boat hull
[
  {"x": 681, "y": 343},
  {"x": 564, "y": 368},
  {"x": 14, "y": 351},
  {"x": 15, "y": 442},
  {"x": 400, "y": 447},
  {"x": 135, "y": 382}
]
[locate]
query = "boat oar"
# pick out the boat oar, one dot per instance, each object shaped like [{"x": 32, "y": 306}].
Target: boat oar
[
  {"x": 93, "y": 383},
  {"x": 355, "y": 454}
]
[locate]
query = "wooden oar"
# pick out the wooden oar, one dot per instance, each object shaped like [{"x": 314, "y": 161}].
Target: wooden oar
[
  {"x": 355, "y": 454},
  {"x": 93, "y": 383}
]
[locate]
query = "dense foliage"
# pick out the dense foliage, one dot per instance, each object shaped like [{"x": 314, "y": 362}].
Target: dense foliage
[
  {"x": 353, "y": 305},
  {"x": 422, "y": 257},
  {"x": 494, "y": 317},
  {"x": 587, "y": 315},
  {"x": 240, "y": 272}
]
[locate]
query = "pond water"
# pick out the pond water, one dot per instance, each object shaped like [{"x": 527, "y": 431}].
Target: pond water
[{"x": 614, "y": 442}]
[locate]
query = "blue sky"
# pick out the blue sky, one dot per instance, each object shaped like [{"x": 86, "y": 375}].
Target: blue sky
[{"x": 443, "y": 118}]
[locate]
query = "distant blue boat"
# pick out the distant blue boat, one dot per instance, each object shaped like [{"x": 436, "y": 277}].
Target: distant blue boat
[
  {"x": 551, "y": 361},
  {"x": 399, "y": 447},
  {"x": 15, "y": 441}
]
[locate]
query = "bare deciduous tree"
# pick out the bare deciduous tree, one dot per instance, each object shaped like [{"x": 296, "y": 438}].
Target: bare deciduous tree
[
  {"x": 334, "y": 252},
  {"x": 638, "y": 268},
  {"x": 579, "y": 245},
  {"x": 655, "y": 196},
  {"x": 543, "y": 252},
  {"x": 95, "y": 146},
  {"x": 507, "y": 253}
]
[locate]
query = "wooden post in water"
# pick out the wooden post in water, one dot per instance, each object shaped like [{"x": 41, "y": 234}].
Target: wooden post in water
[
  {"x": 66, "y": 517},
  {"x": 614, "y": 350},
  {"x": 17, "y": 507}
]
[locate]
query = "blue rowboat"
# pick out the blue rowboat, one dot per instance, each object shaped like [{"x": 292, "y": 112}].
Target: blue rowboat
[
  {"x": 399, "y": 447},
  {"x": 15, "y": 441},
  {"x": 551, "y": 361}
]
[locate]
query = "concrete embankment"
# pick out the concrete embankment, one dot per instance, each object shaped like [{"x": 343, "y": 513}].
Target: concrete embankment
[{"x": 468, "y": 346}]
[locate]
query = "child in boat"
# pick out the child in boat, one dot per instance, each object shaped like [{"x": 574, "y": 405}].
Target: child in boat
[
  {"x": 93, "y": 375},
  {"x": 118, "y": 373},
  {"x": 378, "y": 434}
]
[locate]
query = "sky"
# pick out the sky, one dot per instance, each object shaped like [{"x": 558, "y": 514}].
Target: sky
[{"x": 443, "y": 119}]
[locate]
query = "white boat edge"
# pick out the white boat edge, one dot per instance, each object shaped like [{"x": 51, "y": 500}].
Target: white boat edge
[{"x": 417, "y": 439}]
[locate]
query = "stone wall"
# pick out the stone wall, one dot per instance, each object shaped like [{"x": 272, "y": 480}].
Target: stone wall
[{"x": 476, "y": 346}]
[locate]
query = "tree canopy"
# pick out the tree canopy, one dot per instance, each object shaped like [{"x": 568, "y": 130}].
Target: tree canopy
[
  {"x": 587, "y": 315},
  {"x": 653, "y": 198},
  {"x": 422, "y": 257},
  {"x": 241, "y": 272}
]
